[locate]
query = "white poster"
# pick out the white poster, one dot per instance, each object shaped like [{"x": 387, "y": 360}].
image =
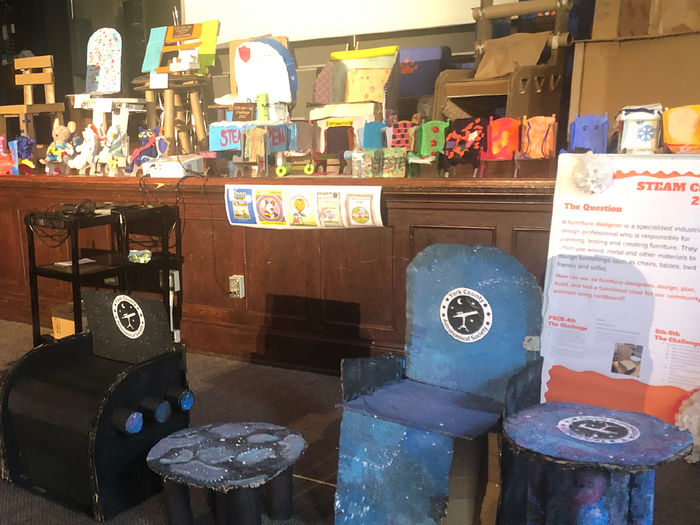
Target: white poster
[{"x": 621, "y": 325}]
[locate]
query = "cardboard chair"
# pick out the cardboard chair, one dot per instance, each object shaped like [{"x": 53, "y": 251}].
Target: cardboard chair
[
  {"x": 79, "y": 415},
  {"x": 470, "y": 313},
  {"x": 508, "y": 66},
  {"x": 28, "y": 77}
]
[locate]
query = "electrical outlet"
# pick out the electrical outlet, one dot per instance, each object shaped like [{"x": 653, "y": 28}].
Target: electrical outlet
[{"x": 236, "y": 286}]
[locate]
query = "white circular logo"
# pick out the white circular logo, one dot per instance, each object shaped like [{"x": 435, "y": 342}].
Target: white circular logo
[
  {"x": 466, "y": 314},
  {"x": 128, "y": 316},
  {"x": 598, "y": 429}
]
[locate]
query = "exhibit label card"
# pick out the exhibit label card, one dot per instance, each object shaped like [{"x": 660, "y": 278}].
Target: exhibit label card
[
  {"x": 298, "y": 207},
  {"x": 622, "y": 290}
]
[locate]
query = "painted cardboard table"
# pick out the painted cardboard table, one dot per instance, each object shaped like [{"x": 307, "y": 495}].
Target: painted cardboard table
[
  {"x": 591, "y": 465},
  {"x": 233, "y": 460}
]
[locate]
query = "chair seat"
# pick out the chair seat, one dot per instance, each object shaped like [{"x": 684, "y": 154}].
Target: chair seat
[
  {"x": 17, "y": 109},
  {"x": 430, "y": 408}
]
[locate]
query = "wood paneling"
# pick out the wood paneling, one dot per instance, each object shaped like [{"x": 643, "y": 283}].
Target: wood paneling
[{"x": 312, "y": 297}]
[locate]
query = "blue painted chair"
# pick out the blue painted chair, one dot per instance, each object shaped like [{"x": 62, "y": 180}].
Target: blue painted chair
[
  {"x": 469, "y": 313},
  {"x": 589, "y": 133}
]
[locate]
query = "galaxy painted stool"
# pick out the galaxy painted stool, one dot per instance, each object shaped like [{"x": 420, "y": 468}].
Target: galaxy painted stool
[
  {"x": 233, "y": 460},
  {"x": 591, "y": 465}
]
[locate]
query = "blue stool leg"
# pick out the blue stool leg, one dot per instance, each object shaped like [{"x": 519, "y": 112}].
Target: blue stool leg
[
  {"x": 642, "y": 498},
  {"x": 281, "y": 495},
  {"x": 243, "y": 507},
  {"x": 618, "y": 497},
  {"x": 177, "y": 501},
  {"x": 590, "y": 487},
  {"x": 536, "y": 493},
  {"x": 220, "y": 507}
]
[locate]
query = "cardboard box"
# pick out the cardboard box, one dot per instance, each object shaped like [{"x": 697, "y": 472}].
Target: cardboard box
[
  {"x": 62, "y": 321},
  {"x": 608, "y": 75},
  {"x": 621, "y": 18},
  {"x": 629, "y": 18}
]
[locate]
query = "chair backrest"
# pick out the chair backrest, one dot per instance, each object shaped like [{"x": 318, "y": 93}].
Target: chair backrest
[
  {"x": 589, "y": 132},
  {"x": 131, "y": 329},
  {"x": 502, "y": 138},
  {"x": 468, "y": 312},
  {"x": 487, "y": 13},
  {"x": 104, "y": 62},
  {"x": 538, "y": 140},
  {"x": 28, "y": 77}
]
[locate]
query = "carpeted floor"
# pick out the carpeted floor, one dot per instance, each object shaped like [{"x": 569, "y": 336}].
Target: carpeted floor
[{"x": 228, "y": 390}]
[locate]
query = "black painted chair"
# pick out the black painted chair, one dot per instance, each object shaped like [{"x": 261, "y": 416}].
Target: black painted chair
[{"x": 79, "y": 415}]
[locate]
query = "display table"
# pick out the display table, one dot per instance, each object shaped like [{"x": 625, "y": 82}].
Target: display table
[
  {"x": 234, "y": 460},
  {"x": 592, "y": 465}
]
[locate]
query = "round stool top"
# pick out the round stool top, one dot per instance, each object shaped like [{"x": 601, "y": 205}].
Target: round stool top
[
  {"x": 226, "y": 456},
  {"x": 576, "y": 434}
]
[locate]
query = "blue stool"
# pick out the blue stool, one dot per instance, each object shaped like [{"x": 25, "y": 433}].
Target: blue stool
[{"x": 591, "y": 465}]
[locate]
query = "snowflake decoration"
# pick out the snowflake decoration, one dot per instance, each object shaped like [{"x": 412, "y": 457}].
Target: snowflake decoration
[
  {"x": 593, "y": 174},
  {"x": 646, "y": 132}
]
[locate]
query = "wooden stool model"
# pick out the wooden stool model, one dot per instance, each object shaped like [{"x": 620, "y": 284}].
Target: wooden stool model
[
  {"x": 181, "y": 87},
  {"x": 28, "y": 78}
]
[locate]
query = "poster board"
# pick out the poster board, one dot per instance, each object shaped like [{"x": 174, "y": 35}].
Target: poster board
[
  {"x": 622, "y": 289},
  {"x": 303, "y": 206}
]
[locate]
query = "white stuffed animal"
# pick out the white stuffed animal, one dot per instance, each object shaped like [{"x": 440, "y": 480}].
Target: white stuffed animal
[{"x": 87, "y": 150}]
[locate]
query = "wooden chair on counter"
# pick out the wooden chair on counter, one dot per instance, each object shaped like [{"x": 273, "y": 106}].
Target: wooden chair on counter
[{"x": 30, "y": 73}]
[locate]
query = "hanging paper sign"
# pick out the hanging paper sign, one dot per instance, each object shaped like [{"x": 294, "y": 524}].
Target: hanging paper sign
[
  {"x": 305, "y": 206},
  {"x": 225, "y": 136},
  {"x": 622, "y": 290}
]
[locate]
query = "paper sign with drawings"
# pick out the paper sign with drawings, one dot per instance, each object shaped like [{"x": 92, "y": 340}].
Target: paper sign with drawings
[{"x": 303, "y": 206}]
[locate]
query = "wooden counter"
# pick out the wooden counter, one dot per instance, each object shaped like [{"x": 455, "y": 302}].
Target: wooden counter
[{"x": 312, "y": 297}]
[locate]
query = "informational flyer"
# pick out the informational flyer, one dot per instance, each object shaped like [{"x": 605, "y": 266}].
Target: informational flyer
[
  {"x": 621, "y": 325},
  {"x": 303, "y": 206}
]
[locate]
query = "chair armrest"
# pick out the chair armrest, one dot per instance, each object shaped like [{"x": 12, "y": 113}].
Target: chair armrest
[
  {"x": 523, "y": 388},
  {"x": 362, "y": 376}
]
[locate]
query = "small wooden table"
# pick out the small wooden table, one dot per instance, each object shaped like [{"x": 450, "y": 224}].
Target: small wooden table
[
  {"x": 233, "y": 460},
  {"x": 592, "y": 465}
]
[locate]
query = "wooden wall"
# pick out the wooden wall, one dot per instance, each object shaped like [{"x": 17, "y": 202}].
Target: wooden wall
[{"x": 312, "y": 297}]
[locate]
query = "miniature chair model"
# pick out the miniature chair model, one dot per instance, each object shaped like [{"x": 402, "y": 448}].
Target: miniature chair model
[
  {"x": 195, "y": 47},
  {"x": 28, "y": 79},
  {"x": 79, "y": 415},
  {"x": 529, "y": 87},
  {"x": 538, "y": 138},
  {"x": 103, "y": 82},
  {"x": 681, "y": 127},
  {"x": 469, "y": 312},
  {"x": 589, "y": 133},
  {"x": 502, "y": 141}
]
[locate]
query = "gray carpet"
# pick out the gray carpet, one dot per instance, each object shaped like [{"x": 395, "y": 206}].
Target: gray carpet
[{"x": 229, "y": 390}]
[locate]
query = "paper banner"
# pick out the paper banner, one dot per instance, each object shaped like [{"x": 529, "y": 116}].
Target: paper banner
[
  {"x": 277, "y": 206},
  {"x": 622, "y": 290}
]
